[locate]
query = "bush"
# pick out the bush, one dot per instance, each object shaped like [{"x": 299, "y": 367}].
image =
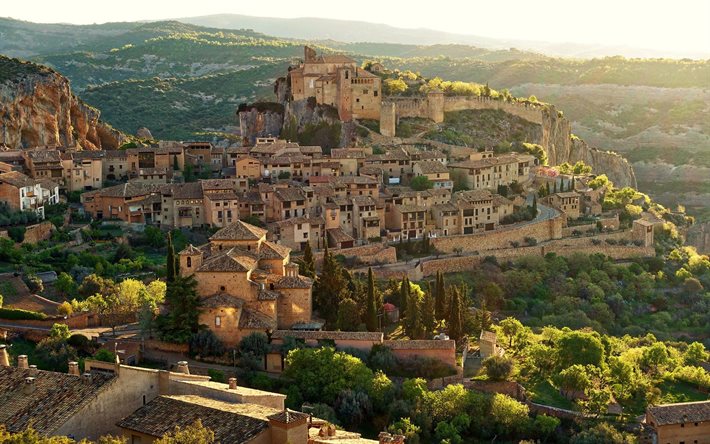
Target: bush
[
  {"x": 206, "y": 343},
  {"x": 530, "y": 241},
  {"x": 105, "y": 355},
  {"x": 256, "y": 344},
  {"x": 498, "y": 368},
  {"x": 216, "y": 375},
  {"x": 17, "y": 314}
]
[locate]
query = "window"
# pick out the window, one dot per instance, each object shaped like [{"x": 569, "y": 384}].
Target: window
[
  {"x": 217, "y": 321},
  {"x": 222, "y": 288},
  {"x": 189, "y": 262},
  {"x": 374, "y": 93}
]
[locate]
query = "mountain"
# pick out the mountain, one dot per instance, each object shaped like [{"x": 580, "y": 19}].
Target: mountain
[
  {"x": 39, "y": 109},
  {"x": 309, "y": 28}
]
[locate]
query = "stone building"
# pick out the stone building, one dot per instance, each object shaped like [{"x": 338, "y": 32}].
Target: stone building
[
  {"x": 435, "y": 171},
  {"x": 487, "y": 171},
  {"x": 247, "y": 283},
  {"x": 567, "y": 202},
  {"x": 684, "y": 422},
  {"x": 336, "y": 80}
]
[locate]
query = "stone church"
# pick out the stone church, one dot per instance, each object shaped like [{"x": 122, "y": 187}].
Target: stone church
[{"x": 247, "y": 284}]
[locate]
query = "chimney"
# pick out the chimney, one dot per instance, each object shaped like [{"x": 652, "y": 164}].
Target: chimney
[
  {"x": 86, "y": 378},
  {"x": 183, "y": 368},
  {"x": 33, "y": 370},
  {"x": 74, "y": 368},
  {"x": 29, "y": 386},
  {"x": 4, "y": 356},
  {"x": 232, "y": 383},
  {"x": 22, "y": 362},
  {"x": 164, "y": 382}
]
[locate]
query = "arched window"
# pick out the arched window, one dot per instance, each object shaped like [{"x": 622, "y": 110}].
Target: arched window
[{"x": 189, "y": 262}]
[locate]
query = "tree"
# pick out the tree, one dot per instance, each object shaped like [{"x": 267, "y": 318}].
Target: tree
[
  {"x": 545, "y": 425},
  {"x": 65, "y": 284},
  {"x": 403, "y": 297},
  {"x": 421, "y": 183},
  {"x": 597, "y": 402},
  {"x": 170, "y": 263},
  {"x": 655, "y": 356},
  {"x": 256, "y": 344},
  {"x": 348, "y": 315},
  {"x": 183, "y": 304},
  {"x": 534, "y": 205},
  {"x": 307, "y": 266},
  {"x": 176, "y": 165},
  {"x": 64, "y": 309},
  {"x": 322, "y": 373},
  {"x": 428, "y": 318},
  {"x": 206, "y": 343},
  {"x": 440, "y": 296},
  {"x": 455, "y": 319},
  {"x": 498, "y": 368},
  {"x": 381, "y": 391},
  {"x": 353, "y": 407},
  {"x": 602, "y": 433},
  {"x": 192, "y": 434},
  {"x": 509, "y": 415},
  {"x": 394, "y": 86},
  {"x": 578, "y": 347},
  {"x": 53, "y": 353},
  {"x": 482, "y": 320},
  {"x": 515, "y": 332},
  {"x": 573, "y": 380},
  {"x": 94, "y": 284},
  {"x": 371, "y": 308},
  {"x": 695, "y": 354},
  {"x": 60, "y": 332},
  {"x": 331, "y": 288},
  {"x": 413, "y": 321}
]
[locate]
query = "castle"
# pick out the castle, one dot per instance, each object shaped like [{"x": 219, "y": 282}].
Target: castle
[
  {"x": 247, "y": 284},
  {"x": 337, "y": 81}
]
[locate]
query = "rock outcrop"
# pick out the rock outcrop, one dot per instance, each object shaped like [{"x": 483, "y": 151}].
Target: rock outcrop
[
  {"x": 562, "y": 146},
  {"x": 259, "y": 120},
  {"x": 37, "y": 108}
]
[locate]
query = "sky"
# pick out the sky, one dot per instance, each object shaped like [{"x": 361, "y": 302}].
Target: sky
[{"x": 653, "y": 24}]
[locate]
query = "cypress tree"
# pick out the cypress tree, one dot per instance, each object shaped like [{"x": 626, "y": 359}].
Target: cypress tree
[
  {"x": 455, "y": 320},
  {"x": 440, "y": 296},
  {"x": 413, "y": 321},
  {"x": 307, "y": 267},
  {"x": 403, "y": 297},
  {"x": 371, "y": 313},
  {"x": 554, "y": 190},
  {"x": 330, "y": 289},
  {"x": 428, "y": 320},
  {"x": 171, "y": 270},
  {"x": 534, "y": 206},
  {"x": 547, "y": 189}
]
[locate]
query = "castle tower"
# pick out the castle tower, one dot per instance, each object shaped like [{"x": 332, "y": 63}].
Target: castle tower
[
  {"x": 388, "y": 119},
  {"x": 345, "y": 94},
  {"x": 435, "y": 108}
]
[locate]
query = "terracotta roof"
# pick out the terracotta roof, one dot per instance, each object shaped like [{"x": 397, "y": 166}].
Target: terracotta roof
[
  {"x": 253, "y": 319},
  {"x": 420, "y": 344},
  {"x": 16, "y": 179},
  {"x": 56, "y": 397},
  {"x": 567, "y": 194},
  {"x": 129, "y": 190},
  {"x": 491, "y": 161},
  {"x": 267, "y": 295},
  {"x": 270, "y": 250},
  {"x": 219, "y": 300},
  {"x": 432, "y": 167},
  {"x": 289, "y": 417},
  {"x": 335, "y": 335},
  {"x": 683, "y": 412},
  {"x": 218, "y": 184},
  {"x": 190, "y": 190},
  {"x": 234, "y": 259},
  {"x": 164, "y": 413},
  {"x": 44, "y": 155},
  {"x": 293, "y": 282},
  {"x": 239, "y": 231},
  {"x": 338, "y": 235},
  {"x": 191, "y": 249},
  {"x": 289, "y": 194}
]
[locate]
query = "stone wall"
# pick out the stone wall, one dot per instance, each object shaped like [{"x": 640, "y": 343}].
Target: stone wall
[
  {"x": 365, "y": 254},
  {"x": 39, "y": 232},
  {"x": 492, "y": 240}
]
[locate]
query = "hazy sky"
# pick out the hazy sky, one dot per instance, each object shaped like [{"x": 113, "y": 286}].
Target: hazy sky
[{"x": 652, "y": 24}]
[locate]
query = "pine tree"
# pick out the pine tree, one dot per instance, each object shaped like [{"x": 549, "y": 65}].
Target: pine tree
[
  {"x": 307, "y": 266},
  {"x": 171, "y": 269},
  {"x": 427, "y": 313},
  {"x": 330, "y": 289},
  {"x": 455, "y": 320},
  {"x": 440, "y": 296},
  {"x": 403, "y": 297},
  {"x": 183, "y": 305},
  {"x": 371, "y": 313}
]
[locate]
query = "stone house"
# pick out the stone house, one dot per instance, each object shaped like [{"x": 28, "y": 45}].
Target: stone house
[
  {"x": 296, "y": 232},
  {"x": 247, "y": 283},
  {"x": 408, "y": 221},
  {"x": 435, "y": 171},
  {"x": 446, "y": 219},
  {"x": 350, "y": 159},
  {"x": 129, "y": 202},
  {"x": 395, "y": 163},
  {"x": 487, "y": 171},
  {"x": 45, "y": 163},
  {"x": 480, "y": 210},
  {"x": 567, "y": 202},
  {"x": 119, "y": 165},
  {"x": 684, "y": 422},
  {"x": 247, "y": 167},
  {"x": 83, "y": 170}
]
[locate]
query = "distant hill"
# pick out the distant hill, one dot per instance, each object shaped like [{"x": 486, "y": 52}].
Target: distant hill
[{"x": 309, "y": 28}]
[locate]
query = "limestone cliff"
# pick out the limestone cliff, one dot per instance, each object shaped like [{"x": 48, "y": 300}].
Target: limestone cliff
[
  {"x": 259, "y": 120},
  {"x": 562, "y": 147},
  {"x": 37, "y": 108}
]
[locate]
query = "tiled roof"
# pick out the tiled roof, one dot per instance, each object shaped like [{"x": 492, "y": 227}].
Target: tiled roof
[
  {"x": 253, "y": 319},
  {"x": 219, "y": 300},
  {"x": 567, "y": 194},
  {"x": 289, "y": 194},
  {"x": 234, "y": 259},
  {"x": 239, "y": 231},
  {"x": 129, "y": 190},
  {"x": 289, "y": 417},
  {"x": 164, "y": 413},
  {"x": 683, "y": 412},
  {"x": 191, "y": 249},
  {"x": 218, "y": 184},
  {"x": 270, "y": 250},
  {"x": 56, "y": 397},
  {"x": 432, "y": 167},
  {"x": 190, "y": 190},
  {"x": 293, "y": 282},
  {"x": 16, "y": 179},
  {"x": 44, "y": 155},
  {"x": 338, "y": 235},
  {"x": 335, "y": 335},
  {"x": 491, "y": 161}
]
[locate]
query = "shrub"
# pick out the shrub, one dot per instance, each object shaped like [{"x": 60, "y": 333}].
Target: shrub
[
  {"x": 17, "y": 314},
  {"x": 256, "y": 344},
  {"x": 105, "y": 355},
  {"x": 531, "y": 241},
  {"x": 216, "y": 375},
  {"x": 498, "y": 368},
  {"x": 206, "y": 343}
]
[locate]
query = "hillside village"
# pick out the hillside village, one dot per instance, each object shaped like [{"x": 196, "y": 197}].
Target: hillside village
[{"x": 276, "y": 240}]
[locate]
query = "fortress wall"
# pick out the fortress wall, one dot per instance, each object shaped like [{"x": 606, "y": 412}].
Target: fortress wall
[{"x": 524, "y": 111}]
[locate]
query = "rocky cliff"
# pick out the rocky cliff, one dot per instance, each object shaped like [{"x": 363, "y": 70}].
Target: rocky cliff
[
  {"x": 562, "y": 146},
  {"x": 37, "y": 108}
]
